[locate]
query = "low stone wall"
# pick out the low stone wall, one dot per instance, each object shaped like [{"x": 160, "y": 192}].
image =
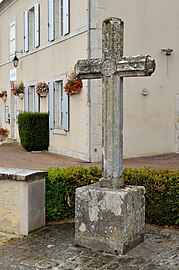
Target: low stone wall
[{"x": 22, "y": 200}]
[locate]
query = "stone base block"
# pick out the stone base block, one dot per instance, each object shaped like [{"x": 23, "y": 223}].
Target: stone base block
[
  {"x": 109, "y": 220},
  {"x": 22, "y": 200}
]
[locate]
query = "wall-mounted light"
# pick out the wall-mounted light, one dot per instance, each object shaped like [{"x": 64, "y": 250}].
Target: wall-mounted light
[
  {"x": 167, "y": 52},
  {"x": 16, "y": 59}
]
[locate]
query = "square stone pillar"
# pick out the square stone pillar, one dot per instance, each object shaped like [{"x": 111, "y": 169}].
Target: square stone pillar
[
  {"x": 109, "y": 220},
  {"x": 22, "y": 200}
]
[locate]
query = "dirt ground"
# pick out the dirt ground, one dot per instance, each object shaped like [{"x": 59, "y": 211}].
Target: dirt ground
[{"x": 12, "y": 155}]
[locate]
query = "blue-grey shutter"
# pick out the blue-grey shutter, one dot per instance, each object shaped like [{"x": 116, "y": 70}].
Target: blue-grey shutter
[
  {"x": 12, "y": 38},
  {"x": 51, "y": 20},
  {"x": 66, "y": 17},
  {"x": 26, "y": 31},
  {"x": 37, "y": 25},
  {"x": 36, "y": 101},
  {"x": 51, "y": 105},
  {"x": 65, "y": 108},
  {"x": 26, "y": 99}
]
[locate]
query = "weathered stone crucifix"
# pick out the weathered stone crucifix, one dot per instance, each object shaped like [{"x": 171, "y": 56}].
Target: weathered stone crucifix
[
  {"x": 110, "y": 217},
  {"x": 112, "y": 68}
]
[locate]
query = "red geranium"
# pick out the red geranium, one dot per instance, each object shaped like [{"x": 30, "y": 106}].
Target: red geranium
[{"x": 73, "y": 84}]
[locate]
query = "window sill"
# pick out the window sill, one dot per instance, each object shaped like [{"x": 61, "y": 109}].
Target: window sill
[{"x": 59, "y": 132}]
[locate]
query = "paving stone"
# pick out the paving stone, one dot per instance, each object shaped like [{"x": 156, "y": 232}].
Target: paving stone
[
  {"x": 100, "y": 261},
  {"x": 112, "y": 266},
  {"x": 125, "y": 260},
  {"x": 130, "y": 267},
  {"x": 150, "y": 266},
  {"x": 139, "y": 261},
  {"x": 53, "y": 248}
]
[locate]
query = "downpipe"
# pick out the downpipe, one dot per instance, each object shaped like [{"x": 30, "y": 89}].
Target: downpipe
[{"x": 89, "y": 85}]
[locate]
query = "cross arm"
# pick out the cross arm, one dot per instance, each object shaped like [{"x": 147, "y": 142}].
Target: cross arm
[
  {"x": 135, "y": 66},
  {"x": 88, "y": 69},
  {"x": 129, "y": 66}
]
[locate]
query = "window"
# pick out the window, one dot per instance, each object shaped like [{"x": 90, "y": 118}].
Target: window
[
  {"x": 31, "y": 92},
  {"x": 7, "y": 114},
  {"x": 65, "y": 17},
  {"x": 31, "y": 99},
  {"x": 37, "y": 25},
  {"x": 51, "y": 20},
  {"x": 26, "y": 31},
  {"x": 58, "y": 18},
  {"x": 58, "y": 102},
  {"x": 58, "y": 106},
  {"x": 32, "y": 28},
  {"x": 12, "y": 38}
]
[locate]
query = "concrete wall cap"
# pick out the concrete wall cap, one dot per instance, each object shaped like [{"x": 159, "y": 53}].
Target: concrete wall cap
[{"x": 21, "y": 174}]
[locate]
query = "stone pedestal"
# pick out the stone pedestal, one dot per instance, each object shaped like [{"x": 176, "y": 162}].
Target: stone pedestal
[
  {"x": 22, "y": 200},
  {"x": 110, "y": 220}
]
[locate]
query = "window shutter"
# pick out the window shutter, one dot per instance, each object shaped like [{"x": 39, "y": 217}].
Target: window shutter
[
  {"x": 26, "y": 99},
  {"x": 37, "y": 25},
  {"x": 65, "y": 108},
  {"x": 26, "y": 31},
  {"x": 66, "y": 17},
  {"x": 51, "y": 105},
  {"x": 36, "y": 101},
  {"x": 51, "y": 21},
  {"x": 12, "y": 38}
]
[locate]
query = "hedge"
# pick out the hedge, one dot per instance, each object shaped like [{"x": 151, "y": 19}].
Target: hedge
[
  {"x": 34, "y": 130},
  {"x": 60, "y": 189},
  {"x": 162, "y": 191}
]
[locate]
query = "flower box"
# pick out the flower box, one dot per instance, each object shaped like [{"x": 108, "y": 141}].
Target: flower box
[
  {"x": 21, "y": 95},
  {"x": 73, "y": 85},
  {"x": 4, "y": 98},
  {"x": 18, "y": 89},
  {"x": 43, "y": 94},
  {"x": 3, "y": 95},
  {"x": 42, "y": 89}
]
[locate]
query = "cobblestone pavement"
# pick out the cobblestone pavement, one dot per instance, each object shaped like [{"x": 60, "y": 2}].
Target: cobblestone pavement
[{"x": 53, "y": 248}]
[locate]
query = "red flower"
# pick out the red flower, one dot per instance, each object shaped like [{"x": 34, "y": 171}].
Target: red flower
[{"x": 73, "y": 84}]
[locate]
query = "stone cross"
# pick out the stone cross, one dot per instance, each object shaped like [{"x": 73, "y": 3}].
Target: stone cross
[{"x": 112, "y": 68}]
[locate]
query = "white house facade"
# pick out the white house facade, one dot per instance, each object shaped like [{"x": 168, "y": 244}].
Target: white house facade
[{"x": 50, "y": 36}]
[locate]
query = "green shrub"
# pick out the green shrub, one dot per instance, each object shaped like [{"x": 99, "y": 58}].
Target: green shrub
[
  {"x": 34, "y": 130},
  {"x": 60, "y": 189},
  {"x": 162, "y": 191}
]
